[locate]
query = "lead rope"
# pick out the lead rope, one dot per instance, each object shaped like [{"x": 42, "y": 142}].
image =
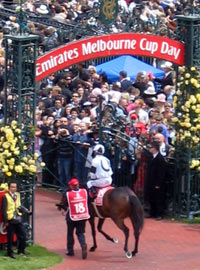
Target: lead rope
[{"x": 97, "y": 211}]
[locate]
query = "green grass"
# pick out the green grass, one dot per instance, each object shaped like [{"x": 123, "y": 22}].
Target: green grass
[
  {"x": 195, "y": 220},
  {"x": 39, "y": 258}
]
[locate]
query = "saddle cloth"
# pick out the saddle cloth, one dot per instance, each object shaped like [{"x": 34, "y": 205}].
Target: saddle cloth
[{"x": 100, "y": 193}]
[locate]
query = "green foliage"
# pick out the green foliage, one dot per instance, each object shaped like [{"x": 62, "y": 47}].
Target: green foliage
[{"x": 39, "y": 258}]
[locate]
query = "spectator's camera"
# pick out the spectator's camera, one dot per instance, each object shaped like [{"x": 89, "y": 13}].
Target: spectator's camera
[{"x": 63, "y": 132}]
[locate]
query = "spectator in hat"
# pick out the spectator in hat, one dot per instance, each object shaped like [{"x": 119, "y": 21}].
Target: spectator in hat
[
  {"x": 160, "y": 102},
  {"x": 42, "y": 10},
  {"x": 114, "y": 92},
  {"x": 168, "y": 76},
  {"x": 155, "y": 182},
  {"x": 76, "y": 216},
  {"x": 149, "y": 93}
]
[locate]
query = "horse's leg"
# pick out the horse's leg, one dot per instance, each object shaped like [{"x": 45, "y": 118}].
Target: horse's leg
[
  {"x": 92, "y": 224},
  {"x": 120, "y": 224},
  {"x": 99, "y": 227},
  {"x": 136, "y": 228}
]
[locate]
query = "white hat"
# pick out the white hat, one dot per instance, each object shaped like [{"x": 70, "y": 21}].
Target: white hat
[
  {"x": 114, "y": 100},
  {"x": 96, "y": 92},
  {"x": 150, "y": 91},
  {"x": 161, "y": 98},
  {"x": 169, "y": 3},
  {"x": 167, "y": 64},
  {"x": 99, "y": 148},
  {"x": 87, "y": 103},
  {"x": 42, "y": 9}
]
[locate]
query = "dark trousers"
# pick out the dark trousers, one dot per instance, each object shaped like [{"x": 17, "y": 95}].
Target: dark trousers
[
  {"x": 80, "y": 230},
  {"x": 156, "y": 201},
  {"x": 17, "y": 229}
]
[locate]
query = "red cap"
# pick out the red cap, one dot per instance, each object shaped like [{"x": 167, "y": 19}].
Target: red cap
[
  {"x": 73, "y": 182},
  {"x": 134, "y": 116}
]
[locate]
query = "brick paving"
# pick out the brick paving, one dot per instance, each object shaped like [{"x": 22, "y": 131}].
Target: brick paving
[{"x": 164, "y": 245}]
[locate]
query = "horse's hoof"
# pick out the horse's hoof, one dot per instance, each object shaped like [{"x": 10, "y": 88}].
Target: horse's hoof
[
  {"x": 128, "y": 255},
  {"x": 134, "y": 253},
  {"x": 115, "y": 240},
  {"x": 92, "y": 249}
]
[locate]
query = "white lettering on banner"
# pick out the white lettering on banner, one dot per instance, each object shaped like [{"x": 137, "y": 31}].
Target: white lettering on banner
[
  {"x": 56, "y": 60},
  {"x": 100, "y": 46},
  {"x": 2, "y": 229},
  {"x": 170, "y": 50},
  {"x": 150, "y": 46}
]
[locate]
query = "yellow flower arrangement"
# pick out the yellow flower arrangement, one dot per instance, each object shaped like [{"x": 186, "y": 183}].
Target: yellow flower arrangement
[
  {"x": 16, "y": 157},
  {"x": 187, "y": 118}
]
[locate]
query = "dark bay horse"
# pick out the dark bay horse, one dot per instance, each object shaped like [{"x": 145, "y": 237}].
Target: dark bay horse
[{"x": 118, "y": 204}]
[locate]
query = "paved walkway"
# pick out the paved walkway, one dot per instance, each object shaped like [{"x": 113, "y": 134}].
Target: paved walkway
[{"x": 164, "y": 245}]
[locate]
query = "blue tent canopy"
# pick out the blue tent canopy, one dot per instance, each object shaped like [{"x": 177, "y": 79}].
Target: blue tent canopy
[{"x": 129, "y": 64}]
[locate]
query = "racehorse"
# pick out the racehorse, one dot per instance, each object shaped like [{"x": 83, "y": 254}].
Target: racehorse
[{"x": 118, "y": 203}]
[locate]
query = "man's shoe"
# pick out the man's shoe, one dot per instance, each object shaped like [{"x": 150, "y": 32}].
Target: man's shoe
[
  {"x": 84, "y": 252},
  {"x": 70, "y": 253},
  {"x": 12, "y": 256},
  {"x": 24, "y": 252}
]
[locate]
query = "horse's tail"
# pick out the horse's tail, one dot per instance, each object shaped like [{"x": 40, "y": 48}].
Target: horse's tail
[{"x": 137, "y": 213}]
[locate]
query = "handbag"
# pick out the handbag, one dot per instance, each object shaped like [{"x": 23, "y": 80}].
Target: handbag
[{"x": 16, "y": 218}]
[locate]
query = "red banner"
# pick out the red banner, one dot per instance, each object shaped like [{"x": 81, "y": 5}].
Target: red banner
[
  {"x": 3, "y": 233},
  {"x": 109, "y": 45}
]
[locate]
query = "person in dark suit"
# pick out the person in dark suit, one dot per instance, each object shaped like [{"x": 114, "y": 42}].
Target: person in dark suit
[
  {"x": 168, "y": 77},
  {"x": 155, "y": 182},
  {"x": 125, "y": 81}
]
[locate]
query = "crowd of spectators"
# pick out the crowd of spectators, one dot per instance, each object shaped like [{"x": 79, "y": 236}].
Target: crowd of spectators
[
  {"x": 68, "y": 104},
  {"x": 154, "y": 16}
]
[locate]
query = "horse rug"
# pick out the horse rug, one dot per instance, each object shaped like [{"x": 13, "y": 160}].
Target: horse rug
[{"x": 101, "y": 191}]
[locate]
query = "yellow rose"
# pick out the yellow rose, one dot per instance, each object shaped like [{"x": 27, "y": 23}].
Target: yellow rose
[
  {"x": 192, "y": 68},
  {"x": 188, "y": 125},
  {"x": 187, "y": 104},
  {"x": 36, "y": 155},
  {"x": 25, "y": 159},
  {"x": 187, "y": 75},
  {"x": 13, "y": 123},
  {"x": 16, "y": 153},
  {"x": 42, "y": 164},
  {"x": 8, "y": 174},
  {"x": 31, "y": 161},
  {"x": 32, "y": 168},
  {"x": 18, "y": 169},
  {"x": 198, "y": 168},
  {"x": 178, "y": 93},
  {"x": 25, "y": 147},
  {"x": 18, "y": 131},
  {"x": 6, "y": 145},
  {"x": 174, "y": 119},
  {"x": 186, "y": 82}
]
